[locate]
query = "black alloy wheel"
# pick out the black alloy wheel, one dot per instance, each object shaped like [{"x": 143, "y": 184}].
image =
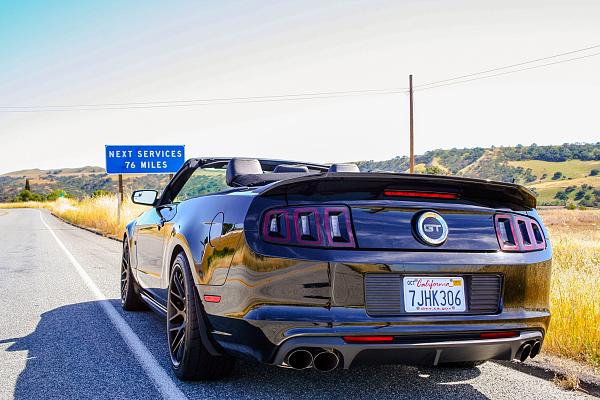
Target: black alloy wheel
[
  {"x": 130, "y": 297},
  {"x": 177, "y": 316}
]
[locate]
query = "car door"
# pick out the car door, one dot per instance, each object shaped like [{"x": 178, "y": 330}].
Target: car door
[{"x": 150, "y": 247}]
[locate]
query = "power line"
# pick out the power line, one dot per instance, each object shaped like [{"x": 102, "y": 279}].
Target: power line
[
  {"x": 508, "y": 72},
  {"x": 294, "y": 96},
  {"x": 509, "y": 66},
  {"x": 202, "y": 102}
]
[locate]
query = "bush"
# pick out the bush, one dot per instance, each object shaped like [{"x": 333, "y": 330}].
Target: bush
[
  {"x": 58, "y": 193},
  {"x": 101, "y": 193},
  {"x": 28, "y": 195},
  {"x": 595, "y": 172},
  {"x": 571, "y": 206},
  {"x": 557, "y": 175}
]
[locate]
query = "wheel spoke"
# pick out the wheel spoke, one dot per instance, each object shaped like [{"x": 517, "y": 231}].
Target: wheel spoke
[
  {"x": 173, "y": 293},
  {"x": 178, "y": 314},
  {"x": 177, "y": 341},
  {"x": 181, "y": 347}
]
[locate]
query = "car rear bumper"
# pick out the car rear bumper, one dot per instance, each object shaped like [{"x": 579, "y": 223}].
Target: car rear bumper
[{"x": 423, "y": 352}]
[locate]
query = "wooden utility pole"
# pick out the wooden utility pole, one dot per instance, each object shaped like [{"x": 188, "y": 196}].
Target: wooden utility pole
[
  {"x": 120, "y": 199},
  {"x": 412, "y": 137}
]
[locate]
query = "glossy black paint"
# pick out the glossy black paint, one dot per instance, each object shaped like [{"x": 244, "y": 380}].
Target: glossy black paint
[{"x": 272, "y": 292}]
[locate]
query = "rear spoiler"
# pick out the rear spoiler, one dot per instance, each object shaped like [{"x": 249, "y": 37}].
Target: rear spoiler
[{"x": 483, "y": 192}]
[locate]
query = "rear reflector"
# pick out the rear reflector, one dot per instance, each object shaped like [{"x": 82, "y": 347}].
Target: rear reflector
[
  {"x": 498, "y": 335},
  {"x": 211, "y": 298},
  {"x": 428, "y": 195},
  {"x": 368, "y": 339}
]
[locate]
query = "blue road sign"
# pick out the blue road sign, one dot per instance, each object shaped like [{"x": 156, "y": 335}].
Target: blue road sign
[{"x": 144, "y": 159}]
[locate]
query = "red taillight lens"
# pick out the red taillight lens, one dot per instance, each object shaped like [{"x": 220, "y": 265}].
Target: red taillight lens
[
  {"x": 498, "y": 335},
  {"x": 338, "y": 228},
  {"x": 518, "y": 233},
  {"x": 212, "y": 298},
  {"x": 307, "y": 223},
  {"x": 368, "y": 339},
  {"x": 276, "y": 227},
  {"x": 427, "y": 195},
  {"x": 312, "y": 226}
]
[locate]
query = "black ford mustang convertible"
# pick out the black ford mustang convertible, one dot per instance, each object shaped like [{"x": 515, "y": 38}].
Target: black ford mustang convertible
[{"x": 302, "y": 265}]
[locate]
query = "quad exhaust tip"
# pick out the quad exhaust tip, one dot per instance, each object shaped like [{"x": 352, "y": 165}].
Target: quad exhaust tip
[
  {"x": 300, "y": 359},
  {"x": 326, "y": 361},
  {"x": 535, "y": 348},
  {"x": 525, "y": 352}
]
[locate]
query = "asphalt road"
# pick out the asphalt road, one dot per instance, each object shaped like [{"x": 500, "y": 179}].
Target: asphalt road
[{"x": 63, "y": 335}]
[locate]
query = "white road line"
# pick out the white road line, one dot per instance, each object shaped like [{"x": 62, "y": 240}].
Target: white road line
[{"x": 161, "y": 379}]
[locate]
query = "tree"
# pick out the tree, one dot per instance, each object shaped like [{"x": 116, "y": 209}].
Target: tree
[
  {"x": 579, "y": 195},
  {"x": 557, "y": 175},
  {"x": 434, "y": 170},
  {"x": 561, "y": 196},
  {"x": 595, "y": 172},
  {"x": 27, "y": 195}
]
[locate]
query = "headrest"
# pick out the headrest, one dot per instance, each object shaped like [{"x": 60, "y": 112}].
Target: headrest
[
  {"x": 241, "y": 166},
  {"x": 343, "y": 168},
  {"x": 290, "y": 168}
]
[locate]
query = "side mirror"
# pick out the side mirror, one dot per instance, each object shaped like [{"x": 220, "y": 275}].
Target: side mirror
[{"x": 144, "y": 197}]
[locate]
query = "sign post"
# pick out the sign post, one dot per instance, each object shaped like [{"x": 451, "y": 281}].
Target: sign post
[
  {"x": 142, "y": 160},
  {"x": 120, "y": 199}
]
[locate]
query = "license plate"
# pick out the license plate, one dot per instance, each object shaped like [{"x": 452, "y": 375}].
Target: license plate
[{"x": 424, "y": 294}]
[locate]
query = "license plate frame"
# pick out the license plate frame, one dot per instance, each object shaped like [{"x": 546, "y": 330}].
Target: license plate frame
[{"x": 434, "y": 294}]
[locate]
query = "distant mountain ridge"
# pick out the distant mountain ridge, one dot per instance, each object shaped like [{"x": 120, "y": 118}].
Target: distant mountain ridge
[
  {"x": 79, "y": 182},
  {"x": 533, "y": 166}
]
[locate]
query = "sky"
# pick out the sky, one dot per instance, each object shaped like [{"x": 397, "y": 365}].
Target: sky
[{"x": 66, "y": 53}]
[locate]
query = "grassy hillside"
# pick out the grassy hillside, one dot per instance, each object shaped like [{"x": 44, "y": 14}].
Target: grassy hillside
[
  {"x": 560, "y": 175},
  {"x": 82, "y": 182},
  {"x": 533, "y": 166},
  {"x": 544, "y": 170}
]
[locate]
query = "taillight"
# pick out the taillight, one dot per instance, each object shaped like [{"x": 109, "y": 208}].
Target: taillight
[
  {"x": 276, "y": 226},
  {"x": 312, "y": 226},
  {"x": 427, "y": 195},
  {"x": 518, "y": 233},
  {"x": 368, "y": 339}
]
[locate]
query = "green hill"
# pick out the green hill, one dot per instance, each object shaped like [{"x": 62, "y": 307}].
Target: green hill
[{"x": 559, "y": 175}]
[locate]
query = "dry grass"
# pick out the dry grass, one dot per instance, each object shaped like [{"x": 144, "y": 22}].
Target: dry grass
[
  {"x": 567, "y": 382},
  {"x": 574, "y": 234},
  {"x": 99, "y": 213},
  {"x": 575, "y": 297}
]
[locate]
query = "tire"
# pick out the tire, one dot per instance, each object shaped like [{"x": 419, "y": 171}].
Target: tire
[
  {"x": 462, "y": 364},
  {"x": 190, "y": 360},
  {"x": 130, "y": 293}
]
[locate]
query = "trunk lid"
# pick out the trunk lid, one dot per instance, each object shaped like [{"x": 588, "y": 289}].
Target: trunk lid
[{"x": 389, "y": 222}]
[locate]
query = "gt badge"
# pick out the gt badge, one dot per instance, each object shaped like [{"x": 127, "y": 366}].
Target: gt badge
[{"x": 431, "y": 228}]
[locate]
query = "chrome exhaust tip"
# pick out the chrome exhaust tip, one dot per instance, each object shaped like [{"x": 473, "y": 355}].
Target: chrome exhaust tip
[
  {"x": 299, "y": 359},
  {"x": 523, "y": 352},
  {"x": 326, "y": 361},
  {"x": 535, "y": 349}
]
